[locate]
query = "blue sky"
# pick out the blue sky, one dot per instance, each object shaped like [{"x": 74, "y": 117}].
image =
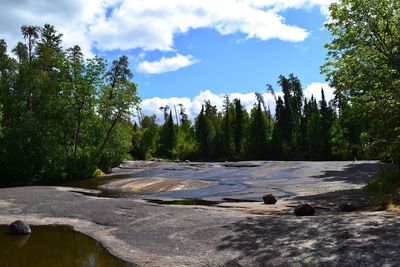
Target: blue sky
[
  {"x": 233, "y": 64},
  {"x": 188, "y": 51}
]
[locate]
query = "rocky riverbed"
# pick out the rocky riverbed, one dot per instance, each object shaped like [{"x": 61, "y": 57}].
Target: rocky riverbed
[{"x": 239, "y": 230}]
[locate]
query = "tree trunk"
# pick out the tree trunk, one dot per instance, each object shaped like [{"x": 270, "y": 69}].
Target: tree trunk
[{"x": 118, "y": 116}]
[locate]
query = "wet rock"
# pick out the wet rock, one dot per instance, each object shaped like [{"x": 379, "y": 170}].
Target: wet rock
[
  {"x": 188, "y": 161},
  {"x": 269, "y": 199},
  {"x": 20, "y": 228},
  {"x": 304, "y": 210},
  {"x": 347, "y": 207},
  {"x": 241, "y": 164}
]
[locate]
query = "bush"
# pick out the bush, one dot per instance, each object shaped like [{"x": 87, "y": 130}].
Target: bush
[{"x": 385, "y": 182}]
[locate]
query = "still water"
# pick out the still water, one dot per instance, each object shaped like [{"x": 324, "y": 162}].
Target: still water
[{"x": 54, "y": 246}]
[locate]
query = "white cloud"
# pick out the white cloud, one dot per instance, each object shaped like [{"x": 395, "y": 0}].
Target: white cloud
[
  {"x": 166, "y": 64},
  {"x": 70, "y": 17},
  {"x": 152, "y": 105},
  {"x": 151, "y": 24},
  {"x": 314, "y": 89},
  {"x": 193, "y": 106}
]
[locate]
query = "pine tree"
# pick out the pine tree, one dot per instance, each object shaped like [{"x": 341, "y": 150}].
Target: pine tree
[
  {"x": 239, "y": 127},
  {"x": 202, "y": 134},
  {"x": 167, "y": 139},
  {"x": 327, "y": 117},
  {"x": 314, "y": 130},
  {"x": 226, "y": 147},
  {"x": 277, "y": 134},
  {"x": 186, "y": 147},
  {"x": 257, "y": 142}
]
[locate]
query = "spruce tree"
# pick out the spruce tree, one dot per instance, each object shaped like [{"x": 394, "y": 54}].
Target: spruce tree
[
  {"x": 239, "y": 127},
  {"x": 257, "y": 142},
  {"x": 167, "y": 139}
]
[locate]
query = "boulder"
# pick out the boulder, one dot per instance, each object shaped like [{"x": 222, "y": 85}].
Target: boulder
[
  {"x": 304, "y": 210},
  {"x": 20, "y": 228},
  {"x": 269, "y": 199},
  {"x": 347, "y": 207}
]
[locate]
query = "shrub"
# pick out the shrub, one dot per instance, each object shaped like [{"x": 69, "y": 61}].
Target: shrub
[{"x": 385, "y": 182}]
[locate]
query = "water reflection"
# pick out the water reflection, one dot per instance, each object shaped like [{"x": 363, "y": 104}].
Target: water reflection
[{"x": 55, "y": 246}]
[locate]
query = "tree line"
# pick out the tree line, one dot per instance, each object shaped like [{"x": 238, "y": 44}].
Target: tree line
[
  {"x": 62, "y": 115},
  {"x": 301, "y": 129},
  {"x": 362, "y": 121}
]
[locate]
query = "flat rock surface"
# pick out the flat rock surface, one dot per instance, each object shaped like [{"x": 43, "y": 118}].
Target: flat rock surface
[
  {"x": 229, "y": 234},
  {"x": 155, "y": 184}
]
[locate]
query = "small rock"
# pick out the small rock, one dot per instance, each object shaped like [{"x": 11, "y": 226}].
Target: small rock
[
  {"x": 269, "y": 199},
  {"x": 347, "y": 207},
  {"x": 304, "y": 210},
  {"x": 187, "y": 161},
  {"x": 20, "y": 228}
]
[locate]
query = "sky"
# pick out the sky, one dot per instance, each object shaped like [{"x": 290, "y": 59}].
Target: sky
[{"x": 188, "y": 51}]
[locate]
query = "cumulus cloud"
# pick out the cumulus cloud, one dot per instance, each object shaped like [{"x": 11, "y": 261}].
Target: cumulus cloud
[
  {"x": 193, "y": 106},
  {"x": 314, "y": 89},
  {"x": 151, "y": 24},
  {"x": 285, "y": 4},
  {"x": 70, "y": 17},
  {"x": 166, "y": 64}
]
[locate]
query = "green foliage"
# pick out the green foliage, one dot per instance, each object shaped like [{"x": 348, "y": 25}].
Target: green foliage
[
  {"x": 258, "y": 134},
  {"x": 314, "y": 136},
  {"x": 363, "y": 64},
  {"x": 144, "y": 138},
  {"x": 385, "y": 182},
  {"x": 116, "y": 99},
  {"x": 186, "y": 146},
  {"x": 239, "y": 127},
  {"x": 341, "y": 147},
  {"x": 226, "y": 133},
  {"x": 59, "y": 121},
  {"x": 119, "y": 143},
  {"x": 167, "y": 140},
  {"x": 206, "y": 131},
  {"x": 327, "y": 115},
  {"x": 316, "y": 130}
]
